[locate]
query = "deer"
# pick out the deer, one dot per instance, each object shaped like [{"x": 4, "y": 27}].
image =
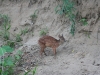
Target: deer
[{"x": 49, "y": 41}]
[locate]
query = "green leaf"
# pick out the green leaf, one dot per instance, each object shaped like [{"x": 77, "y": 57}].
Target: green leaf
[
  {"x": 9, "y": 26},
  {"x": 8, "y": 48},
  {"x": 8, "y": 61},
  {"x": 5, "y": 73},
  {"x": 84, "y": 21},
  {"x": 34, "y": 71},
  {"x": 2, "y": 51},
  {"x": 17, "y": 57}
]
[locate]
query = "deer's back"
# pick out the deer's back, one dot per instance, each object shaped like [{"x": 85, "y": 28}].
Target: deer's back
[{"x": 48, "y": 41}]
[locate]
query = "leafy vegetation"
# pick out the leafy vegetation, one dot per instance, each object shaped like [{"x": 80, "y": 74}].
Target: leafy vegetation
[
  {"x": 43, "y": 31},
  {"x": 18, "y": 38},
  {"x": 67, "y": 9},
  {"x": 5, "y": 34},
  {"x": 5, "y": 23},
  {"x": 10, "y": 43},
  {"x": 34, "y": 16},
  {"x": 83, "y": 21},
  {"x": 7, "y": 63},
  {"x": 24, "y": 31},
  {"x": 33, "y": 72}
]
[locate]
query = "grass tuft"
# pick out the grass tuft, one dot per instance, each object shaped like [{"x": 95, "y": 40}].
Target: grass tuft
[{"x": 67, "y": 9}]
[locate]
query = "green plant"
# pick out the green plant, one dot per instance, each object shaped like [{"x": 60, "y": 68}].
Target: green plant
[
  {"x": 33, "y": 72},
  {"x": 7, "y": 63},
  {"x": 23, "y": 32},
  {"x": 43, "y": 31},
  {"x": 10, "y": 43},
  {"x": 5, "y": 23},
  {"x": 34, "y": 16},
  {"x": 18, "y": 38},
  {"x": 4, "y": 31},
  {"x": 67, "y": 9},
  {"x": 83, "y": 21},
  {"x": 17, "y": 56}
]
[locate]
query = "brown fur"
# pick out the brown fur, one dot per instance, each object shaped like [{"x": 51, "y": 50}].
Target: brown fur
[{"x": 49, "y": 41}]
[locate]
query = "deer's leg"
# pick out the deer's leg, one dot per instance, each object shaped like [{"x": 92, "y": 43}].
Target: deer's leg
[
  {"x": 42, "y": 50},
  {"x": 54, "y": 50},
  {"x": 44, "y": 53}
]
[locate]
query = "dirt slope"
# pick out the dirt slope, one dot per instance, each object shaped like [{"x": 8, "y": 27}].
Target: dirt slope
[{"x": 80, "y": 55}]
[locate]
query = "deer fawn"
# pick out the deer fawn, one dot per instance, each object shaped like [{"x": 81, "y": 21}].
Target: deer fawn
[{"x": 49, "y": 41}]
